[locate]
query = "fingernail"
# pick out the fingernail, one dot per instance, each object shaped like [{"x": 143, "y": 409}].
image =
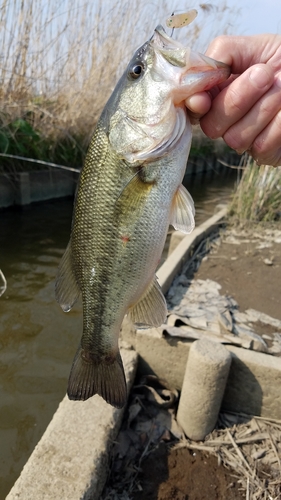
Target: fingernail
[{"x": 260, "y": 77}]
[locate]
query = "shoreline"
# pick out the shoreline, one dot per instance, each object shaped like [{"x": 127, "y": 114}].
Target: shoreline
[{"x": 151, "y": 349}]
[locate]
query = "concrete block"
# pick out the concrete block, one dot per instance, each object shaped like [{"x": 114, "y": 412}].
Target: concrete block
[
  {"x": 203, "y": 388},
  {"x": 71, "y": 460},
  {"x": 165, "y": 357},
  {"x": 254, "y": 381}
]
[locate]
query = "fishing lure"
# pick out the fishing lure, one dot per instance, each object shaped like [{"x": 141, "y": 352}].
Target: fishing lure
[{"x": 180, "y": 20}]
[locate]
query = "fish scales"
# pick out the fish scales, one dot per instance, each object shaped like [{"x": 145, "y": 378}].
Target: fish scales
[{"x": 129, "y": 191}]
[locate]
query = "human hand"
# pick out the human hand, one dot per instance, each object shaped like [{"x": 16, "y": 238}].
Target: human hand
[{"x": 246, "y": 109}]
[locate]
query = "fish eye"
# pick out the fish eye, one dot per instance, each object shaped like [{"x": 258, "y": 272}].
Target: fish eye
[{"x": 136, "y": 71}]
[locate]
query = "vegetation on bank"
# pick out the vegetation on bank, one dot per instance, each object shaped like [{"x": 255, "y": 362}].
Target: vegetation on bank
[
  {"x": 60, "y": 63},
  {"x": 257, "y": 197},
  {"x": 19, "y": 138}
]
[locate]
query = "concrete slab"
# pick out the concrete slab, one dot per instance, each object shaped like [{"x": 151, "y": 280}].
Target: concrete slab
[
  {"x": 254, "y": 381},
  {"x": 70, "y": 462}
]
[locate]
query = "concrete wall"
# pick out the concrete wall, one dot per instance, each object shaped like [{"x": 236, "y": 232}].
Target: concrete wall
[
  {"x": 71, "y": 460},
  {"x": 26, "y": 187}
]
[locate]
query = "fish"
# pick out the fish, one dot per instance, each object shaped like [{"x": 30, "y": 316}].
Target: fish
[{"x": 129, "y": 191}]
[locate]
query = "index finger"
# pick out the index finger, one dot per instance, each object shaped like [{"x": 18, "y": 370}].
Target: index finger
[{"x": 241, "y": 52}]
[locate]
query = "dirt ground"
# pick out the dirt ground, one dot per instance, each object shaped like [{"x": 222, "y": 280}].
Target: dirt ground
[
  {"x": 183, "y": 474},
  {"x": 249, "y": 269}
]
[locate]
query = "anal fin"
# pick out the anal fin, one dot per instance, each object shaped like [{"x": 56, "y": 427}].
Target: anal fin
[
  {"x": 67, "y": 290},
  {"x": 182, "y": 216},
  {"x": 151, "y": 309},
  {"x": 90, "y": 376}
]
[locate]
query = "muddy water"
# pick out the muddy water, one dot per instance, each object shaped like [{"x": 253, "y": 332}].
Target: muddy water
[{"x": 38, "y": 340}]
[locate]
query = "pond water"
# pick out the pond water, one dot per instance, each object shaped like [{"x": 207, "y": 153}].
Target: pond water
[{"x": 38, "y": 340}]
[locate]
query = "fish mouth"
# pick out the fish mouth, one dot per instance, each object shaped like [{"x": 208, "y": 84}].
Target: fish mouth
[
  {"x": 166, "y": 39},
  {"x": 192, "y": 70},
  {"x": 172, "y": 50}
]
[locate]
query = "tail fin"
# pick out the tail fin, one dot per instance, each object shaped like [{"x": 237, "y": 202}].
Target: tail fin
[{"x": 97, "y": 377}]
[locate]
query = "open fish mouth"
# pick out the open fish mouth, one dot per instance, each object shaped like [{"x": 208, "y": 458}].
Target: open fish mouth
[
  {"x": 188, "y": 68},
  {"x": 162, "y": 40}
]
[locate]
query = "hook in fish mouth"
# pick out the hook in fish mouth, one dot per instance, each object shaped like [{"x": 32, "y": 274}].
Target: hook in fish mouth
[
  {"x": 178, "y": 55},
  {"x": 170, "y": 49},
  {"x": 161, "y": 35}
]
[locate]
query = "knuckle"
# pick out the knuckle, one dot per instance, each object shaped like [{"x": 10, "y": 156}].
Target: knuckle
[
  {"x": 259, "y": 149},
  {"x": 267, "y": 105},
  {"x": 208, "y": 128},
  {"x": 218, "y": 42},
  {"x": 235, "y": 100},
  {"x": 264, "y": 146},
  {"x": 235, "y": 140}
]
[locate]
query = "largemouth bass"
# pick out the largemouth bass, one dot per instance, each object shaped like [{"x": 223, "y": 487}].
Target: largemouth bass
[{"x": 129, "y": 192}]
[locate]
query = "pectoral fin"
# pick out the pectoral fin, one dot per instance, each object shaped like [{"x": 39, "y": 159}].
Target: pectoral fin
[
  {"x": 66, "y": 289},
  {"x": 182, "y": 216},
  {"x": 151, "y": 309},
  {"x": 139, "y": 185}
]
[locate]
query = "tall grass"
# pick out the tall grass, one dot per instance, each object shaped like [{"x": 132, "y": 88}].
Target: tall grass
[
  {"x": 60, "y": 61},
  {"x": 258, "y": 195}
]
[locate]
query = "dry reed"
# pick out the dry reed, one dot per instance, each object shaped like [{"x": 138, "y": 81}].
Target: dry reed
[
  {"x": 250, "y": 447},
  {"x": 61, "y": 59},
  {"x": 258, "y": 194}
]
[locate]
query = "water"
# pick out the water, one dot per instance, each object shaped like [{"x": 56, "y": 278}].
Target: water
[{"x": 38, "y": 340}]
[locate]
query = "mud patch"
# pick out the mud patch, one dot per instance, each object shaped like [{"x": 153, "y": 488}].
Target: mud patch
[{"x": 181, "y": 474}]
